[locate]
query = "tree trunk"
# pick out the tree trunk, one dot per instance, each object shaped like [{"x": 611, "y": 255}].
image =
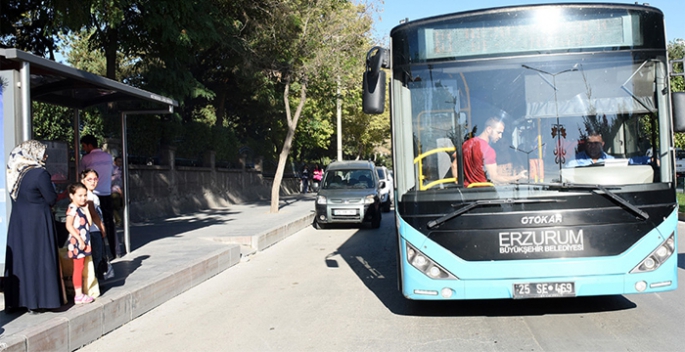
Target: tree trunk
[
  {"x": 287, "y": 144},
  {"x": 111, "y": 53}
]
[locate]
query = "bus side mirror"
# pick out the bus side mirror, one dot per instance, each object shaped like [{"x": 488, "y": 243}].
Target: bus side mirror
[
  {"x": 678, "y": 99},
  {"x": 373, "y": 96}
]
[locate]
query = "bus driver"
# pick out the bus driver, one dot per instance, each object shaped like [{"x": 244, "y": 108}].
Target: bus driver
[{"x": 480, "y": 159}]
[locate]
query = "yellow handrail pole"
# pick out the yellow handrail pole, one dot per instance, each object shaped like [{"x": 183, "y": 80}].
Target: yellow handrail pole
[
  {"x": 539, "y": 153},
  {"x": 420, "y": 157}
]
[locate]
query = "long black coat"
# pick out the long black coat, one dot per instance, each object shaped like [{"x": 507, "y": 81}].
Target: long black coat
[{"x": 32, "y": 277}]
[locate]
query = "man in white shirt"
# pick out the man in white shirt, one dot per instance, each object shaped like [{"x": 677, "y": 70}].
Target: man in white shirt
[{"x": 102, "y": 162}]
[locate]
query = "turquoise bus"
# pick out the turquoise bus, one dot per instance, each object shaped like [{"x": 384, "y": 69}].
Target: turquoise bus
[{"x": 580, "y": 95}]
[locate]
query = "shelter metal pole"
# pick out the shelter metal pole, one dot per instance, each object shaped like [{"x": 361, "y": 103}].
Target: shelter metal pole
[
  {"x": 124, "y": 179},
  {"x": 124, "y": 171},
  {"x": 77, "y": 144},
  {"x": 25, "y": 73}
]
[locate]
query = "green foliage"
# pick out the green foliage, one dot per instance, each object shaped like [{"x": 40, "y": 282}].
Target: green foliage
[
  {"x": 144, "y": 135},
  {"x": 34, "y": 25},
  {"x": 228, "y": 63},
  {"x": 681, "y": 202},
  {"x": 676, "y": 50},
  {"x": 225, "y": 143},
  {"x": 53, "y": 123}
]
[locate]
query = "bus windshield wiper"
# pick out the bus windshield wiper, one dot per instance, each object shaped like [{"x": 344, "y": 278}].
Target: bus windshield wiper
[
  {"x": 594, "y": 187},
  {"x": 443, "y": 219}
]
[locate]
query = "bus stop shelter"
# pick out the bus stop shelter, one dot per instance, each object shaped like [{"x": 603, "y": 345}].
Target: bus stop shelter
[{"x": 54, "y": 83}]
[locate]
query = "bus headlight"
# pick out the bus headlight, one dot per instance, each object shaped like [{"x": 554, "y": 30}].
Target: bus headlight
[
  {"x": 657, "y": 257},
  {"x": 425, "y": 265}
]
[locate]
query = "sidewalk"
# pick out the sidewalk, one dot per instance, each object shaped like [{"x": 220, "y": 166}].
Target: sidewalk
[{"x": 168, "y": 257}]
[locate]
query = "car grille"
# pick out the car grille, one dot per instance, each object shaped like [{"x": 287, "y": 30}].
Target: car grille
[
  {"x": 346, "y": 201},
  {"x": 340, "y": 209},
  {"x": 346, "y": 217}
]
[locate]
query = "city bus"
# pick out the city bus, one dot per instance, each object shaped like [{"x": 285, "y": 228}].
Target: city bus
[{"x": 554, "y": 75}]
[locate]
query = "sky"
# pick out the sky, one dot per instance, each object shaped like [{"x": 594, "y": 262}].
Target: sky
[{"x": 395, "y": 10}]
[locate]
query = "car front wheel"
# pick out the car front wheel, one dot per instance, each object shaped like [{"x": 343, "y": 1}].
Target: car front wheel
[
  {"x": 386, "y": 206},
  {"x": 376, "y": 220},
  {"x": 320, "y": 226}
]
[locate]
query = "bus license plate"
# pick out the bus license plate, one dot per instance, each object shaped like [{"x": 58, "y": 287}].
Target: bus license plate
[
  {"x": 344, "y": 211},
  {"x": 544, "y": 290}
]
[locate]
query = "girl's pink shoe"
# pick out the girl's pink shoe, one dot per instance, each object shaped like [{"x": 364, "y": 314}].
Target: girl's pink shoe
[{"x": 83, "y": 299}]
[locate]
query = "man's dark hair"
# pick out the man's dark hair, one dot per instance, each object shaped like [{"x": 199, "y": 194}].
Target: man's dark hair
[
  {"x": 493, "y": 121},
  {"x": 593, "y": 132},
  {"x": 89, "y": 139}
]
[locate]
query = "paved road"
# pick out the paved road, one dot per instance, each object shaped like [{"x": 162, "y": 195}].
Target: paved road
[{"x": 335, "y": 290}]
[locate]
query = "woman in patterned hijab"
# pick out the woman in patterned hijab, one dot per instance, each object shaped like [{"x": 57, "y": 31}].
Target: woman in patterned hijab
[
  {"x": 26, "y": 156},
  {"x": 32, "y": 277}
]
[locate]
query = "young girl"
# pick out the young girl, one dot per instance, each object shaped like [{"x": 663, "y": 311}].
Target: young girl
[
  {"x": 78, "y": 225},
  {"x": 89, "y": 178}
]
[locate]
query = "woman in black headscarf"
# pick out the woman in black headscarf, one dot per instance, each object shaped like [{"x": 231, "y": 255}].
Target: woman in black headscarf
[{"x": 32, "y": 276}]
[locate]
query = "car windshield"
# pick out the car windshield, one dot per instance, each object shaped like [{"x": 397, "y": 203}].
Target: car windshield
[
  {"x": 381, "y": 174},
  {"x": 346, "y": 179}
]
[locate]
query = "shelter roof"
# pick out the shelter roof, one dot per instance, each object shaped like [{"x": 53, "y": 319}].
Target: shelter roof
[{"x": 62, "y": 85}]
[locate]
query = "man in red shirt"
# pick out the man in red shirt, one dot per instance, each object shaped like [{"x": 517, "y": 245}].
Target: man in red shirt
[{"x": 480, "y": 160}]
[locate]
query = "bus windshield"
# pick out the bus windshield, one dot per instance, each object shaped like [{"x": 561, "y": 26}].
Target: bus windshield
[
  {"x": 530, "y": 111},
  {"x": 574, "y": 119}
]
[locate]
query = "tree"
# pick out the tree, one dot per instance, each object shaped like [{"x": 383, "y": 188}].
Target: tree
[
  {"x": 34, "y": 25},
  {"x": 310, "y": 37},
  {"x": 363, "y": 133}
]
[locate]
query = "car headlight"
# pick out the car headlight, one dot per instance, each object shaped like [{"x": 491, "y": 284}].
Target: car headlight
[
  {"x": 321, "y": 200},
  {"x": 657, "y": 257},
  {"x": 369, "y": 199}
]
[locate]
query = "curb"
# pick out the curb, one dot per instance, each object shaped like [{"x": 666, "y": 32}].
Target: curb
[{"x": 82, "y": 325}]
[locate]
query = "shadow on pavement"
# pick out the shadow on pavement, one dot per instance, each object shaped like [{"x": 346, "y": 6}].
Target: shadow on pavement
[
  {"x": 284, "y": 201},
  {"x": 122, "y": 269},
  {"x": 144, "y": 233},
  {"x": 372, "y": 256}
]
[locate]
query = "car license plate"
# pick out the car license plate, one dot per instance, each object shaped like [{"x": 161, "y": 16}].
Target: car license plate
[
  {"x": 344, "y": 211},
  {"x": 544, "y": 290}
]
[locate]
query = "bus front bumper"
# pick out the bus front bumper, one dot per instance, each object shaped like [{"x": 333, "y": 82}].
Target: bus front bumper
[{"x": 417, "y": 287}]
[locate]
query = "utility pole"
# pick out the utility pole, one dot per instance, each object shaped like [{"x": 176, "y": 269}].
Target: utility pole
[{"x": 339, "y": 120}]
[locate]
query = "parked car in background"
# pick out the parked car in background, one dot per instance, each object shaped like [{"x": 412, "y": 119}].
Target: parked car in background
[
  {"x": 680, "y": 162},
  {"x": 387, "y": 191},
  {"x": 349, "y": 193}
]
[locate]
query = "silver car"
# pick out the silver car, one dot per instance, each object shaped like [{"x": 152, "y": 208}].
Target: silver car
[
  {"x": 349, "y": 193},
  {"x": 387, "y": 192}
]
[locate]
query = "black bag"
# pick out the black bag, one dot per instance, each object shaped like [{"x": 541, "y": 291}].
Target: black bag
[
  {"x": 102, "y": 267},
  {"x": 105, "y": 267}
]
